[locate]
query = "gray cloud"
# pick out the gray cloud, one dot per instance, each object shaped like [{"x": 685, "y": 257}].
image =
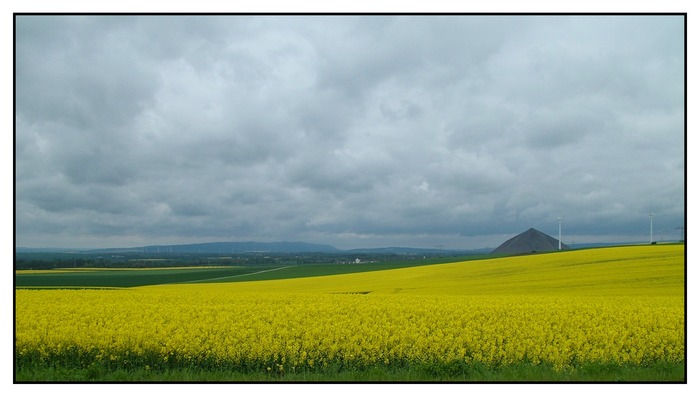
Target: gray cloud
[{"x": 353, "y": 131}]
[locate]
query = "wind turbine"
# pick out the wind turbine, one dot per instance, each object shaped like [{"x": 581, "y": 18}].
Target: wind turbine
[
  {"x": 651, "y": 228},
  {"x": 681, "y": 228},
  {"x": 559, "y": 219}
]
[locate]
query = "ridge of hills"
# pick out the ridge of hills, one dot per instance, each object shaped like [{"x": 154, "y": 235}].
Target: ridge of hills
[
  {"x": 292, "y": 247},
  {"x": 529, "y": 241},
  {"x": 240, "y": 247}
]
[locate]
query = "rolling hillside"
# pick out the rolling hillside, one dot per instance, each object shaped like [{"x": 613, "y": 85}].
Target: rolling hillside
[{"x": 622, "y": 271}]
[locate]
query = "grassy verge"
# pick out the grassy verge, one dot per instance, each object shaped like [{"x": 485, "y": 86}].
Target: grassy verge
[{"x": 657, "y": 372}]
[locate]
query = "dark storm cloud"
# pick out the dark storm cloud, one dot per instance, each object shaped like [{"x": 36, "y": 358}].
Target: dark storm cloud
[{"x": 353, "y": 131}]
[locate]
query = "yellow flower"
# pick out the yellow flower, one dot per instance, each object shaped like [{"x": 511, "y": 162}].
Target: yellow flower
[{"x": 560, "y": 309}]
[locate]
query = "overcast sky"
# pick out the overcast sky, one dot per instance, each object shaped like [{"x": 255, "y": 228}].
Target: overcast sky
[{"x": 454, "y": 131}]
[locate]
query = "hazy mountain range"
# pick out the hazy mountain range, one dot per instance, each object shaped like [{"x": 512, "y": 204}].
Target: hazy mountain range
[
  {"x": 278, "y": 247},
  {"x": 247, "y": 247}
]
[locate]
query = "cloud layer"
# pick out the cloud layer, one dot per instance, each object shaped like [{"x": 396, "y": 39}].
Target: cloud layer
[{"x": 353, "y": 131}]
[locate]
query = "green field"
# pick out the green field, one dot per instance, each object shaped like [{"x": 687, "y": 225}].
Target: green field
[
  {"x": 120, "y": 278},
  {"x": 129, "y": 278}
]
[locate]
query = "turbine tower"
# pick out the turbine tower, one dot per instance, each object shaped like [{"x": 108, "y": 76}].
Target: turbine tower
[
  {"x": 559, "y": 219},
  {"x": 681, "y": 228},
  {"x": 651, "y": 228}
]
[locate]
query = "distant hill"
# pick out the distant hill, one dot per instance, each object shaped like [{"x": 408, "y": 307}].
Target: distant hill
[
  {"x": 251, "y": 247},
  {"x": 531, "y": 240},
  {"x": 409, "y": 250},
  {"x": 229, "y": 247},
  {"x": 43, "y": 250}
]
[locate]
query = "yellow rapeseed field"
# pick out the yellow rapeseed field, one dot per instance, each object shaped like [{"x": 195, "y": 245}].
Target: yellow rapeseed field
[{"x": 615, "y": 305}]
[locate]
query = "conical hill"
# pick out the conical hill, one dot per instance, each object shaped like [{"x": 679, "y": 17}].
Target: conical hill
[{"x": 531, "y": 240}]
